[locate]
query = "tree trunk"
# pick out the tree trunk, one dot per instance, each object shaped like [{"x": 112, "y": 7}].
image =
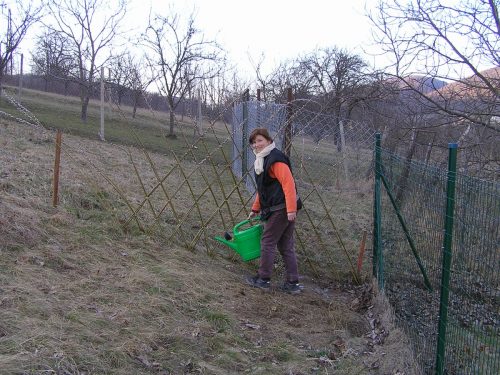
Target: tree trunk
[
  {"x": 134, "y": 110},
  {"x": 136, "y": 101},
  {"x": 171, "y": 120},
  {"x": 170, "y": 102},
  {"x": 403, "y": 178},
  {"x": 85, "y": 105},
  {"x": 336, "y": 134},
  {"x": 1, "y": 81}
]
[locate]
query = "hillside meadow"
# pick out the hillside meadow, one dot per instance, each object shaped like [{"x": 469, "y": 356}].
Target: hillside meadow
[{"x": 82, "y": 293}]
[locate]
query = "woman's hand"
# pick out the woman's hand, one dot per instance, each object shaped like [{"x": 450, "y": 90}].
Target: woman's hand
[{"x": 292, "y": 216}]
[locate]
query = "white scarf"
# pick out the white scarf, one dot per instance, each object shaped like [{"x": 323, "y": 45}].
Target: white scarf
[{"x": 259, "y": 158}]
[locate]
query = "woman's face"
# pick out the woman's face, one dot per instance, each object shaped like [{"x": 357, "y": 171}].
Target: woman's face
[{"x": 260, "y": 142}]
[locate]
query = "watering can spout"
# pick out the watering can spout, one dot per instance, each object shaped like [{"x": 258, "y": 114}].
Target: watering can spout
[{"x": 231, "y": 244}]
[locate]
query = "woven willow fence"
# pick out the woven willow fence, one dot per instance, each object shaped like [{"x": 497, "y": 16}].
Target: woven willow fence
[
  {"x": 438, "y": 262},
  {"x": 210, "y": 187},
  {"x": 201, "y": 184}
]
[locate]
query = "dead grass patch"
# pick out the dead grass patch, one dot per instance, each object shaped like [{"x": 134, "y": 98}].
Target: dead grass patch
[{"x": 20, "y": 223}]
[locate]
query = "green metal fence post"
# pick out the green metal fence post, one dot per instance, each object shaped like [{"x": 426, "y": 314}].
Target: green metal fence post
[
  {"x": 447, "y": 242},
  {"x": 377, "y": 230}
]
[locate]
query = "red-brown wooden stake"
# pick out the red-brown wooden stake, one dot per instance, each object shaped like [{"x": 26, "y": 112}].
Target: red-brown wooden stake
[{"x": 57, "y": 163}]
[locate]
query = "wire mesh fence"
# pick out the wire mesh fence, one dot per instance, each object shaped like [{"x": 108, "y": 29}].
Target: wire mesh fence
[
  {"x": 331, "y": 160},
  {"x": 413, "y": 264}
]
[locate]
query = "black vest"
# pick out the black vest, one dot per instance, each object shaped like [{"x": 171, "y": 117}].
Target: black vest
[{"x": 270, "y": 190}]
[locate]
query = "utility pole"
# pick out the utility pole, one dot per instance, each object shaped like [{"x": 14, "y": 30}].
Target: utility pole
[
  {"x": 287, "y": 137},
  {"x": 20, "y": 78},
  {"x": 8, "y": 46},
  {"x": 101, "y": 133}
]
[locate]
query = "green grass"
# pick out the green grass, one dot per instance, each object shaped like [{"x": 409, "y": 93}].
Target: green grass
[
  {"x": 147, "y": 129},
  {"x": 219, "y": 321}
]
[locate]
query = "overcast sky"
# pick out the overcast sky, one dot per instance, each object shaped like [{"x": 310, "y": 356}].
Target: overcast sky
[{"x": 278, "y": 29}]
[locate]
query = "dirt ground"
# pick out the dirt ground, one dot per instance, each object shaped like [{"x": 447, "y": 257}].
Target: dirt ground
[{"x": 78, "y": 295}]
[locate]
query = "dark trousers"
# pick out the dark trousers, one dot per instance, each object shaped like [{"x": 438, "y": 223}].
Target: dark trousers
[{"x": 278, "y": 232}]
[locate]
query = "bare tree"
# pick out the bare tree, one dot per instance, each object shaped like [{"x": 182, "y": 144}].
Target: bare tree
[
  {"x": 129, "y": 75},
  {"x": 180, "y": 56},
  {"x": 51, "y": 58},
  {"x": 14, "y": 24},
  {"x": 288, "y": 75},
  {"x": 263, "y": 80},
  {"x": 119, "y": 69},
  {"x": 448, "y": 41},
  {"x": 335, "y": 77},
  {"x": 215, "y": 91},
  {"x": 90, "y": 26}
]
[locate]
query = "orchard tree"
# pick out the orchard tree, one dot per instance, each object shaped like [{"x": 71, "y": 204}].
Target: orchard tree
[
  {"x": 128, "y": 74},
  {"x": 90, "y": 27},
  {"x": 333, "y": 75},
  {"x": 52, "y": 59},
  {"x": 454, "y": 42},
  {"x": 118, "y": 76},
  {"x": 338, "y": 79},
  {"x": 180, "y": 56},
  {"x": 16, "y": 18},
  {"x": 457, "y": 42}
]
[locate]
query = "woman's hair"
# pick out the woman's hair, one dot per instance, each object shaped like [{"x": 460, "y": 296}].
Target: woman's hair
[{"x": 259, "y": 131}]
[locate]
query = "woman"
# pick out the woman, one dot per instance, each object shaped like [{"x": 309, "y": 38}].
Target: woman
[{"x": 276, "y": 201}]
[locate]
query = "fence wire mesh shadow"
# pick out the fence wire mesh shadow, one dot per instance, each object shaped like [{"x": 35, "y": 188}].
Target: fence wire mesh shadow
[{"x": 419, "y": 191}]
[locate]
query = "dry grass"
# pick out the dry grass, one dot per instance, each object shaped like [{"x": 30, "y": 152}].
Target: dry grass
[{"x": 82, "y": 294}]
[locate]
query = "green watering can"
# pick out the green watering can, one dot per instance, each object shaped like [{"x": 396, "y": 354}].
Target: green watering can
[{"x": 245, "y": 242}]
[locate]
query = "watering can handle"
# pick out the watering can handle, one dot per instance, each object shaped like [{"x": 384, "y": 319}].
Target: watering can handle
[{"x": 237, "y": 226}]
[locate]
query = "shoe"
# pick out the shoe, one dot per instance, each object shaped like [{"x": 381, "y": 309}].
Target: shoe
[
  {"x": 291, "y": 288},
  {"x": 257, "y": 282}
]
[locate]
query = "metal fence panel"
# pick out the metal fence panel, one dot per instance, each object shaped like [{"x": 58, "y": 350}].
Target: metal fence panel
[{"x": 472, "y": 326}]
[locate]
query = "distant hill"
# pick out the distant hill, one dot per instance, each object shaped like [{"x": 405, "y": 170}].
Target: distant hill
[
  {"x": 426, "y": 84},
  {"x": 472, "y": 87}
]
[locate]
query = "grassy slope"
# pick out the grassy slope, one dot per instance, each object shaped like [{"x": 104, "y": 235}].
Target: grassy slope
[{"x": 79, "y": 294}]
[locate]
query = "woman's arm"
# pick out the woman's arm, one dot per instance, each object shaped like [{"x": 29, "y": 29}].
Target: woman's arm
[
  {"x": 282, "y": 173},
  {"x": 255, "y": 206}
]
